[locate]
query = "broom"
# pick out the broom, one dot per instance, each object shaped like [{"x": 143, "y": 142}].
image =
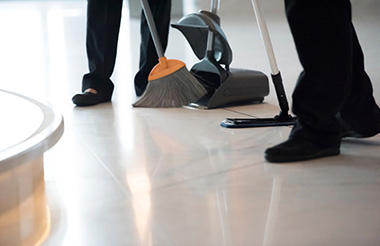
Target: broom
[{"x": 170, "y": 83}]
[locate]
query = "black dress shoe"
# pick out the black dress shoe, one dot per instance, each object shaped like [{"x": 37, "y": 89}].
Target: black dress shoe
[
  {"x": 346, "y": 131},
  {"x": 296, "y": 149},
  {"x": 353, "y": 134},
  {"x": 88, "y": 99}
]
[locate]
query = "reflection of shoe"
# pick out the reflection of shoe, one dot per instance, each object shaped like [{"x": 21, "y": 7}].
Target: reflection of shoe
[
  {"x": 296, "y": 149},
  {"x": 88, "y": 99}
]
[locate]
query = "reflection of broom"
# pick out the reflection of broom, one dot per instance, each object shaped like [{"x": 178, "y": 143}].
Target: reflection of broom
[{"x": 170, "y": 83}]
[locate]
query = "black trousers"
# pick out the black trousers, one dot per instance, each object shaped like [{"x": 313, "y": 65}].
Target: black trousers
[
  {"x": 103, "y": 24},
  {"x": 333, "y": 82}
]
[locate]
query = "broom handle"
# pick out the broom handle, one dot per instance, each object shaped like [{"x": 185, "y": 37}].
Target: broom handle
[{"x": 152, "y": 28}]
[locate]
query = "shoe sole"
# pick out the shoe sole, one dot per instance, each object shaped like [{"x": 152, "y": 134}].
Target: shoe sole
[
  {"x": 321, "y": 154},
  {"x": 89, "y": 104}
]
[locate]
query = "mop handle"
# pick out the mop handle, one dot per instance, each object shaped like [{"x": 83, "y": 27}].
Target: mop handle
[
  {"x": 276, "y": 75},
  {"x": 152, "y": 28},
  {"x": 265, "y": 37}
]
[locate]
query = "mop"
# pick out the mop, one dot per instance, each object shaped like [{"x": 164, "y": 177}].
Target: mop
[
  {"x": 283, "y": 118},
  {"x": 170, "y": 84}
]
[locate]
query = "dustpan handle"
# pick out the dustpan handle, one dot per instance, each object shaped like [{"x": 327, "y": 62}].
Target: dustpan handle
[
  {"x": 152, "y": 28},
  {"x": 265, "y": 37},
  {"x": 214, "y": 6},
  {"x": 210, "y": 37}
]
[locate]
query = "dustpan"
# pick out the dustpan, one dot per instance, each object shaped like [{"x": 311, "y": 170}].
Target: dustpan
[{"x": 209, "y": 43}]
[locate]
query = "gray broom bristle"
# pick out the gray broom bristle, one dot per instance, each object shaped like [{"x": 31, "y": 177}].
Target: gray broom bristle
[{"x": 174, "y": 90}]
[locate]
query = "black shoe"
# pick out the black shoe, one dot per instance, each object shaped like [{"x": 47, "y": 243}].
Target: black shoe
[
  {"x": 88, "y": 99},
  {"x": 296, "y": 149},
  {"x": 353, "y": 134},
  {"x": 346, "y": 131}
]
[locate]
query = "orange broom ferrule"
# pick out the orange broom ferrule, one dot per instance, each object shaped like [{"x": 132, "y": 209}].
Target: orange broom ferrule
[
  {"x": 165, "y": 67},
  {"x": 163, "y": 62}
]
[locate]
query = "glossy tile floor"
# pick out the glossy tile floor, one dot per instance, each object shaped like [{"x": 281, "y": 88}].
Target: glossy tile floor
[{"x": 126, "y": 176}]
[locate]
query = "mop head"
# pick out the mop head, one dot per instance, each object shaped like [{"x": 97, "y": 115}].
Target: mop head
[{"x": 173, "y": 89}]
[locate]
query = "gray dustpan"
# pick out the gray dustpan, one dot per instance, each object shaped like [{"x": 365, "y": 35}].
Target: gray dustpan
[{"x": 209, "y": 43}]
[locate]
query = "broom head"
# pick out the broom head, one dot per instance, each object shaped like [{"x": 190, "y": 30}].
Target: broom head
[
  {"x": 165, "y": 67},
  {"x": 170, "y": 85}
]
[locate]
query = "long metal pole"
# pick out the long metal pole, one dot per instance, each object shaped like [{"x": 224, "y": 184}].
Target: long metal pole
[
  {"x": 152, "y": 28},
  {"x": 276, "y": 75},
  {"x": 265, "y": 37},
  {"x": 210, "y": 37}
]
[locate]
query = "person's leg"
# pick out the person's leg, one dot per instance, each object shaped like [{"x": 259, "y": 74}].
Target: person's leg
[
  {"x": 360, "y": 110},
  {"x": 161, "y": 10},
  {"x": 323, "y": 37},
  {"x": 103, "y": 24}
]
